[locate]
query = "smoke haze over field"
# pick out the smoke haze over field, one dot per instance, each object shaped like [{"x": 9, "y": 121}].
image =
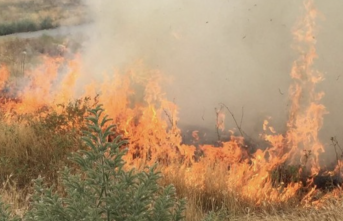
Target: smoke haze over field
[{"x": 233, "y": 51}]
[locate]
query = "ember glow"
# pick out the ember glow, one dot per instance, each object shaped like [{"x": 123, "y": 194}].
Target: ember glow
[{"x": 138, "y": 106}]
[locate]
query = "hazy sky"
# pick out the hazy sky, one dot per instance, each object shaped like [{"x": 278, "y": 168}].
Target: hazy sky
[{"x": 233, "y": 51}]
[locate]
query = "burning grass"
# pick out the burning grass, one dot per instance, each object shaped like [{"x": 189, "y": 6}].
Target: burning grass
[
  {"x": 41, "y": 124},
  {"x": 32, "y": 146},
  {"x": 20, "y": 55},
  {"x": 39, "y": 131}
]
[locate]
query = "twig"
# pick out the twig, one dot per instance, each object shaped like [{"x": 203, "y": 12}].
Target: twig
[
  {"x": 335, "y": 145},
  {"x": 217, "y": 127},
  {"x": 170, "y": 118},
  {"x": 242, "y": 115},
  {"x": 241, "y": 131},
  {"x": 239, "y": 128}
]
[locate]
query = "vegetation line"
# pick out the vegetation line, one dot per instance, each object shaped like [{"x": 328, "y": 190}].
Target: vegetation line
[{"x": 26, "y": 26}]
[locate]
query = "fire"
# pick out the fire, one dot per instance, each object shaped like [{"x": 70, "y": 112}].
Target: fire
[
  {"x": 136, "y": 103},
  {"x": 306, "y": 113}
]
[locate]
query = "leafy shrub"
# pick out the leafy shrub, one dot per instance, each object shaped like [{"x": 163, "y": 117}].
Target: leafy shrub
[
  {"x": 100, "y": 189},
  {"x": 70, "y": 118}
]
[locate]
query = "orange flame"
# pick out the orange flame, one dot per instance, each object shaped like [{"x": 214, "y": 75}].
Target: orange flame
[{"x": 306, "y": 113}]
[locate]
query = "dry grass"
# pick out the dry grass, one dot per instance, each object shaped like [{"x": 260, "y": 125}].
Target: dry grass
[
  {"x": 201, "y": 205},
  {"x": 36, "y": 145},
  {"x": 331, "y": 212},
  {"x": 27, "y": 152},
  {"x": 16, "y": 198},
  {"x": 61, "y": 13},
  {"x": 213, "y": 201}
]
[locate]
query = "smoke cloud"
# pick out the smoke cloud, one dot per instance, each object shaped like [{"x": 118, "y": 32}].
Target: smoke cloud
[{"x": 238, "y": 52}]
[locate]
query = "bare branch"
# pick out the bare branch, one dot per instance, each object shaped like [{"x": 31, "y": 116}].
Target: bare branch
[
  {"x": 242, "y": 115},
  {"x": 238, "y": 127},
  {"x": 170, "y": 118},
  {"x": 336, "y": 145},
  {"x": 217, "y": 119}
]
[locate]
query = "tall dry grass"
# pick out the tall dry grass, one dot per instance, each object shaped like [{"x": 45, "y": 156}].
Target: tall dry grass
[{"x": 16, "y": 198}]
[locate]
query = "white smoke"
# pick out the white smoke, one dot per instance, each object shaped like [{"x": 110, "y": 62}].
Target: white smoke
[{"x": 233, "y": 51}]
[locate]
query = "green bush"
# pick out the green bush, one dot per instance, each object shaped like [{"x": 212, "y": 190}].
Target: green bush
[
  {"x": 20, "y": 26},
  {"x": 6, "y": 29},
  {"x": 47, "y": 23},
  {"x": 100, "y": 189},
  {"x": 26, "y": 26}
]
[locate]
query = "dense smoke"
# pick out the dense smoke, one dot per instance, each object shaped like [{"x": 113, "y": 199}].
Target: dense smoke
[{"x": 238, "y": 52}]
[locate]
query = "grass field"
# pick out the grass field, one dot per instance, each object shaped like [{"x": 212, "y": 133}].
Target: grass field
[{"x": 31, "y": 15}]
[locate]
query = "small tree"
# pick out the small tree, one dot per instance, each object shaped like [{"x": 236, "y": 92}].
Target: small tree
[{"x": 103, "y": 190}]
